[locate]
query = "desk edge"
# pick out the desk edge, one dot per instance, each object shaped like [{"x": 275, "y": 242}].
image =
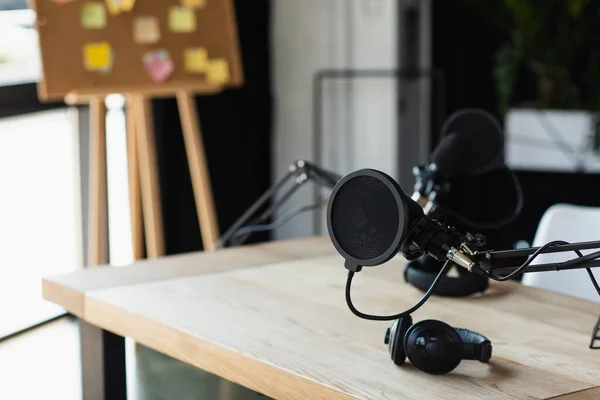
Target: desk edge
[{"x": 234, "y": 366}]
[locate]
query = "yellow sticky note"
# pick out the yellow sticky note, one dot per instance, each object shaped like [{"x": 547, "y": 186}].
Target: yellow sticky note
[
  {"x": 116, "y": 7},
  {"x": 93, "y": 15},
  {"x": 196, "y": 59},
  {"x": 182, "y": 19},
  {"x": 194, "y": 3},
  {"x": 98, "y": 56},
  {"x": 146, "y": 30},
  {"x": 127, "y": 5},
  {"x": 218, "y": 71}
]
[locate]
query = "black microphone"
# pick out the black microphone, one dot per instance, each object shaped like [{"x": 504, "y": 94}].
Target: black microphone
[
  {"x": 472, "y": 143},
  {"x": 370, "y": 220}
]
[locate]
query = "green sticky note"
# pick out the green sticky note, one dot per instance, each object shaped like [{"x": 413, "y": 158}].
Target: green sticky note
[
  {"x": 182, "y": 19},
  {"x": 93, "y": 15}
]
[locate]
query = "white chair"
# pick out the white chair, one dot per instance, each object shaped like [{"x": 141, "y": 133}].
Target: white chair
[{"x": 570, "y": 223}]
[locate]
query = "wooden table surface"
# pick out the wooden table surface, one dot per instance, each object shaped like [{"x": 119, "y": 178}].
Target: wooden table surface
[{"x": 273, "y": 318}]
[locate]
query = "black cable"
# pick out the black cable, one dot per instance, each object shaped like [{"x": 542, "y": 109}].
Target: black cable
[
  {"x": 580, "y": 260},
  {"x": 593, "y": 279},
  {"x": 266, "y": 214},
  {"x": 492, "y": 225},
  {"x": 526, "y": 263},
  {"x": 280, "y": 221},
  {"x": 426, "y": 296}
]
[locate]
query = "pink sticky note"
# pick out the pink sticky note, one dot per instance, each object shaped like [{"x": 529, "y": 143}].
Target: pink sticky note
[{"x": 158, "y": 65}]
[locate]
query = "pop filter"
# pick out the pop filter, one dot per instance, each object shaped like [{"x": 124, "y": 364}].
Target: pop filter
[
  {"x": 370, "y": 220},
  {"x": 472, "y": 142},
  {"x": 368, "y": 217}
]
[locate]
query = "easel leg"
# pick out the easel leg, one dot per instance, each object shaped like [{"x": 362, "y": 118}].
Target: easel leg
[
  {"x": 196, "y": 156},
  {"x": 102, "y": 353},
  {"x": 149, "y": 178},
  {"x": 97, "y": 229},
  {"x": 135, "y": 200}
]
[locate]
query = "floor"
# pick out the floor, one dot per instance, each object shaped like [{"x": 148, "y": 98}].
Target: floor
[{"x": 44, "y": 363}]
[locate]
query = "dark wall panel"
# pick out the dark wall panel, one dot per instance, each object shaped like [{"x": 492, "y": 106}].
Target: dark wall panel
[
  {"x": 236, "y": 127},
  {"x": 463, "y": 47}
]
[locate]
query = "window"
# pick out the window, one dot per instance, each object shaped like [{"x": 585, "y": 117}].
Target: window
[
  {"x": 39, "y": 172},
  {"x": 20, "y": 66},
  {"x": 19, "y": 51},
  {"x": 38, "y": 210}
]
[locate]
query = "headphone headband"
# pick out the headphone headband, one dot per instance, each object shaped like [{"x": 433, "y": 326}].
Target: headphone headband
[{"x": 475, "y": 345}]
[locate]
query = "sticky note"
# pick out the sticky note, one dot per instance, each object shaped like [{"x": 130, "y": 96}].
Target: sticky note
[
  {"x": 218, "y": 71},
  {"x": 194, "y": 3},
  {"x": 182, "y": 19},
  {"x": 127, "y": 5},
  {"x": 116, "y": 7},
  {"x": 93, "y": 15},
  {"x": 196, "y": 60},
  {"x": 158, "y": 65},
  {"x": 98, "y": 57},
  {"x": 146, "y": 30}
]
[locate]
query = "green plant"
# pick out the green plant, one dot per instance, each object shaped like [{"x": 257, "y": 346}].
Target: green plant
[{"x": 557, "y": 40}]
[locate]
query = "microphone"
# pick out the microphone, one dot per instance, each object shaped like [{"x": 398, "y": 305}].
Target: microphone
[
  {"x": 472, "y": 143},
  {"x": 370, "y": 220}
]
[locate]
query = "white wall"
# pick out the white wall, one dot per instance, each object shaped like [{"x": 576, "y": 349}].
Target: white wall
[
  {"x": 551, "y": 140},
  {"x": 359, "y": 118}
]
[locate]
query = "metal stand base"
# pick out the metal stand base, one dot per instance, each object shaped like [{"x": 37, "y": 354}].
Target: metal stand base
[{"x": 595, "y": 335}]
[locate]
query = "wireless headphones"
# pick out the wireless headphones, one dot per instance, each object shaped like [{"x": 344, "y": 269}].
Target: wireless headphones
[{"x": 433, "y": 346}]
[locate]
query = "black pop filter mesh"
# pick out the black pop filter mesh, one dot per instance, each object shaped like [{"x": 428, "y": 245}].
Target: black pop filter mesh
[
  {"x": 472, "y": 142},
  {"x": 367, "y": 217}
]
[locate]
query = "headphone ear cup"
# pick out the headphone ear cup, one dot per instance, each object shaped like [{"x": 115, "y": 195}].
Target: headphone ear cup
[
  {"x": 395, "y": 339},
  {"x": 433, "y": 346}
]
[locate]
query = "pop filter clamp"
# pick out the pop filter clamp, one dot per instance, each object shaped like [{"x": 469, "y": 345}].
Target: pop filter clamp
[{"x": 299, "y": 173}]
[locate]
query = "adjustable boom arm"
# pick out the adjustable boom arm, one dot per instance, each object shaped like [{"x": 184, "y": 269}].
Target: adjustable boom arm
[
  {"x": 507, "y": 261},
  {"x": 300, "y": 171}
]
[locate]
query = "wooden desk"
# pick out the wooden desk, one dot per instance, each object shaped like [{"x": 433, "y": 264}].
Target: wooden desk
[{"x": 272, "y": 318}]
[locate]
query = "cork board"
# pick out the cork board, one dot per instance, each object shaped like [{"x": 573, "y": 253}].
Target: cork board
[{"x": 64, "y": 38}]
